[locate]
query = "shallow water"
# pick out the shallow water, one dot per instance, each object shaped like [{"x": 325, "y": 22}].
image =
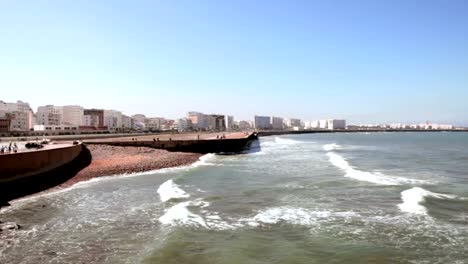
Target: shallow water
[{"x": 324, "y": 198}]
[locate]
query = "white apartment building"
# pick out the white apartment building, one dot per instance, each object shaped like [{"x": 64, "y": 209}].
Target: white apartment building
[
  {"x": 293, "y": 122},
  {"x": 49, "y": 115},
  {"x": 20, "y": 115},
  {"x": 323, "y": 124},
  {"x": 198, "y": 120},
  {"x": 154, "y": 123},
  {"x": 184, "y": 124},
  {"x": 262, "y": 122},
  {"x": 127, "y": 122},
  {"x": 73, "y": 115},
  {"x": 277, "y": 123},
  {"x": 113, "y": 119}
]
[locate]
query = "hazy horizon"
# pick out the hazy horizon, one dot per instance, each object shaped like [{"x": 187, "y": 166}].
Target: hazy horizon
[{"x": 365, "y": 61}]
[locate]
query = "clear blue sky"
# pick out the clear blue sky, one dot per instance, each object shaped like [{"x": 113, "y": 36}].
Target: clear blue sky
[{"x": 367, "y": 61}]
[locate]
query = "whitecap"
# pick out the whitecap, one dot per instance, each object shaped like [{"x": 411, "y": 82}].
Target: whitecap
[
  {"x": 286, "y": 141},
  {"x": 412, "y": 199},
  {"x": 169, "y": 190},
  {"x": 330, "y": 147},
  {"x": 373, "y": 177},
  {"x": 179, "y": 214}
]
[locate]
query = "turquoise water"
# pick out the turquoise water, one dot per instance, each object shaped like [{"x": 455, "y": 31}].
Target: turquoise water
[{"x": 324, "y": 198}]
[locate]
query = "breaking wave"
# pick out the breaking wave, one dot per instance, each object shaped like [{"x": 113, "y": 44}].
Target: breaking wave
[
  {"x": 296, "y": 216},
  {"x": 330, "y": 147},
  {"x": 179, "y": 214},
  {"x": 169, "y": 190},
  {"x": 373, "y": 177},
  {"x": 412, "y": 199}
]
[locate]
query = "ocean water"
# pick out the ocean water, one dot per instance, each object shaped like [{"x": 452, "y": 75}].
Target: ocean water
[{"x": 317, "y": 198}]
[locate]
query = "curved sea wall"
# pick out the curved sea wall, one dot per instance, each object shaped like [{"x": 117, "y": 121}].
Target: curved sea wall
[
  {"x": 20, "y": 165},
  {"x": 228, "y": 145}
]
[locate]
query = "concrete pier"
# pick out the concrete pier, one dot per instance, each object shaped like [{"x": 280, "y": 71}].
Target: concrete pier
[{"x": 205, "y": 143}]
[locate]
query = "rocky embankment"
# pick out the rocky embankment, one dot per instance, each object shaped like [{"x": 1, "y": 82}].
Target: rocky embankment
[{"x": 113, "y": 160}]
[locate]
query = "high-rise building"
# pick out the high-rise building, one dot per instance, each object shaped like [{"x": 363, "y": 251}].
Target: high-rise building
[
  {"x": 262, "y": 122},
  {"x": 277, "y": 123}
]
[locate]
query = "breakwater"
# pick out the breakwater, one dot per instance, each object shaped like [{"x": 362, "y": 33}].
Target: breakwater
[
  {"x": 28, "y": 172},
  {"x": 216, "y": 145}
]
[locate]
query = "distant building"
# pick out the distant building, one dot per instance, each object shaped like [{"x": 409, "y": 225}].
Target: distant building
[
  {"x": 72, "y": 115},
  {"x": 262, "y": 122},
  {"x": 139, "y": 121},
  {"x": 184, "y": 124},
  {"x": 93, "y": 118},
  {"x": 198, "y": 120},
  {"x": 244, "y": 125},
  {"x": 154, "y": 123},
  {"x": 293, "y": 122},
  {"x": 334, "y": 124},
  {"x": 323, "y": 124},
  {"x": 215, "y": 122},
  {"x": 19, "y": 115},
  {"x": 64, "y": 128},
  {"x": 277, "y": 123},
  {"x": 113, "y": 119},
  {"x": 127, "y": 122},
  {"x": 5, "y": 124},
  {"x": 49, "y": 115},
  {"x": 229, "y": 122}
]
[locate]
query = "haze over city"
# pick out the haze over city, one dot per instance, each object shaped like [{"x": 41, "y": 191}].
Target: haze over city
[{"x": 363, "y": 61}]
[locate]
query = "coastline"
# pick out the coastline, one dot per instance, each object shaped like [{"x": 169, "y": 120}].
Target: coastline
[
  {"x": 114, "y": 160},
  {"x": 107, "y": 161}
]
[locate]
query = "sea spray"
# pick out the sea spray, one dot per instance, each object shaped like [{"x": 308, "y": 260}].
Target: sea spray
[
  {"x": 169, "y": 190},
  {"x": 412, "y": 199}
]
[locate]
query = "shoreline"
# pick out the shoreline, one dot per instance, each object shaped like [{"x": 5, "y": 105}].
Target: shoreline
[
  {"x": 115, "y": 160},
  {"x": 103, "y": 161}
]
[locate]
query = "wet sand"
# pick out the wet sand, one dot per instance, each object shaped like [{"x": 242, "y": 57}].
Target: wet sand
[{"x": 114, "y": 160}]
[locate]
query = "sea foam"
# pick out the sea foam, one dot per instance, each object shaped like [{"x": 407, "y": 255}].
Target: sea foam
[
  {"x": 373, "y": 177},
  {"x": 169, "y": 190},
  {"x": 412, "y": 199},
  {"x": 330, "y": 147},
  {"x": 180, "y": 214}
]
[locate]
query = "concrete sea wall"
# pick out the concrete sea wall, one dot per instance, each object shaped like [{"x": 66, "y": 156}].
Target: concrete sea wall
[
  {"x": 15, "y": 166},
  {"x": 228, "y": 145}
]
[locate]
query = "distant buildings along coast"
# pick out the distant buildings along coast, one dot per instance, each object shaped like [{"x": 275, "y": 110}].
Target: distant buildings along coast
[{"x": 72, "y": 119}]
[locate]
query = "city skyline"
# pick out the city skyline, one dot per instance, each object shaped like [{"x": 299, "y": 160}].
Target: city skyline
[{"x": 395, "y": 62}]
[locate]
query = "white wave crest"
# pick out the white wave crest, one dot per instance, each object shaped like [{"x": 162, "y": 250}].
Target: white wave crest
[
  {"x": 330, "y": 147},
  {"x": 169, "y": 190},
  {"x": 373, "y": 177},
  {"x": 412, "y": 199},
  {"x": 204, "y": 160},
  {"x": 179, "y": 214},
  {"x": 297, "y": 216},
  {"x": 286, "y": 141}
]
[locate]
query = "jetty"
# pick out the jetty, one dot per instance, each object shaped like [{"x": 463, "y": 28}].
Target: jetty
[{"x": 191, "y": 142}]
